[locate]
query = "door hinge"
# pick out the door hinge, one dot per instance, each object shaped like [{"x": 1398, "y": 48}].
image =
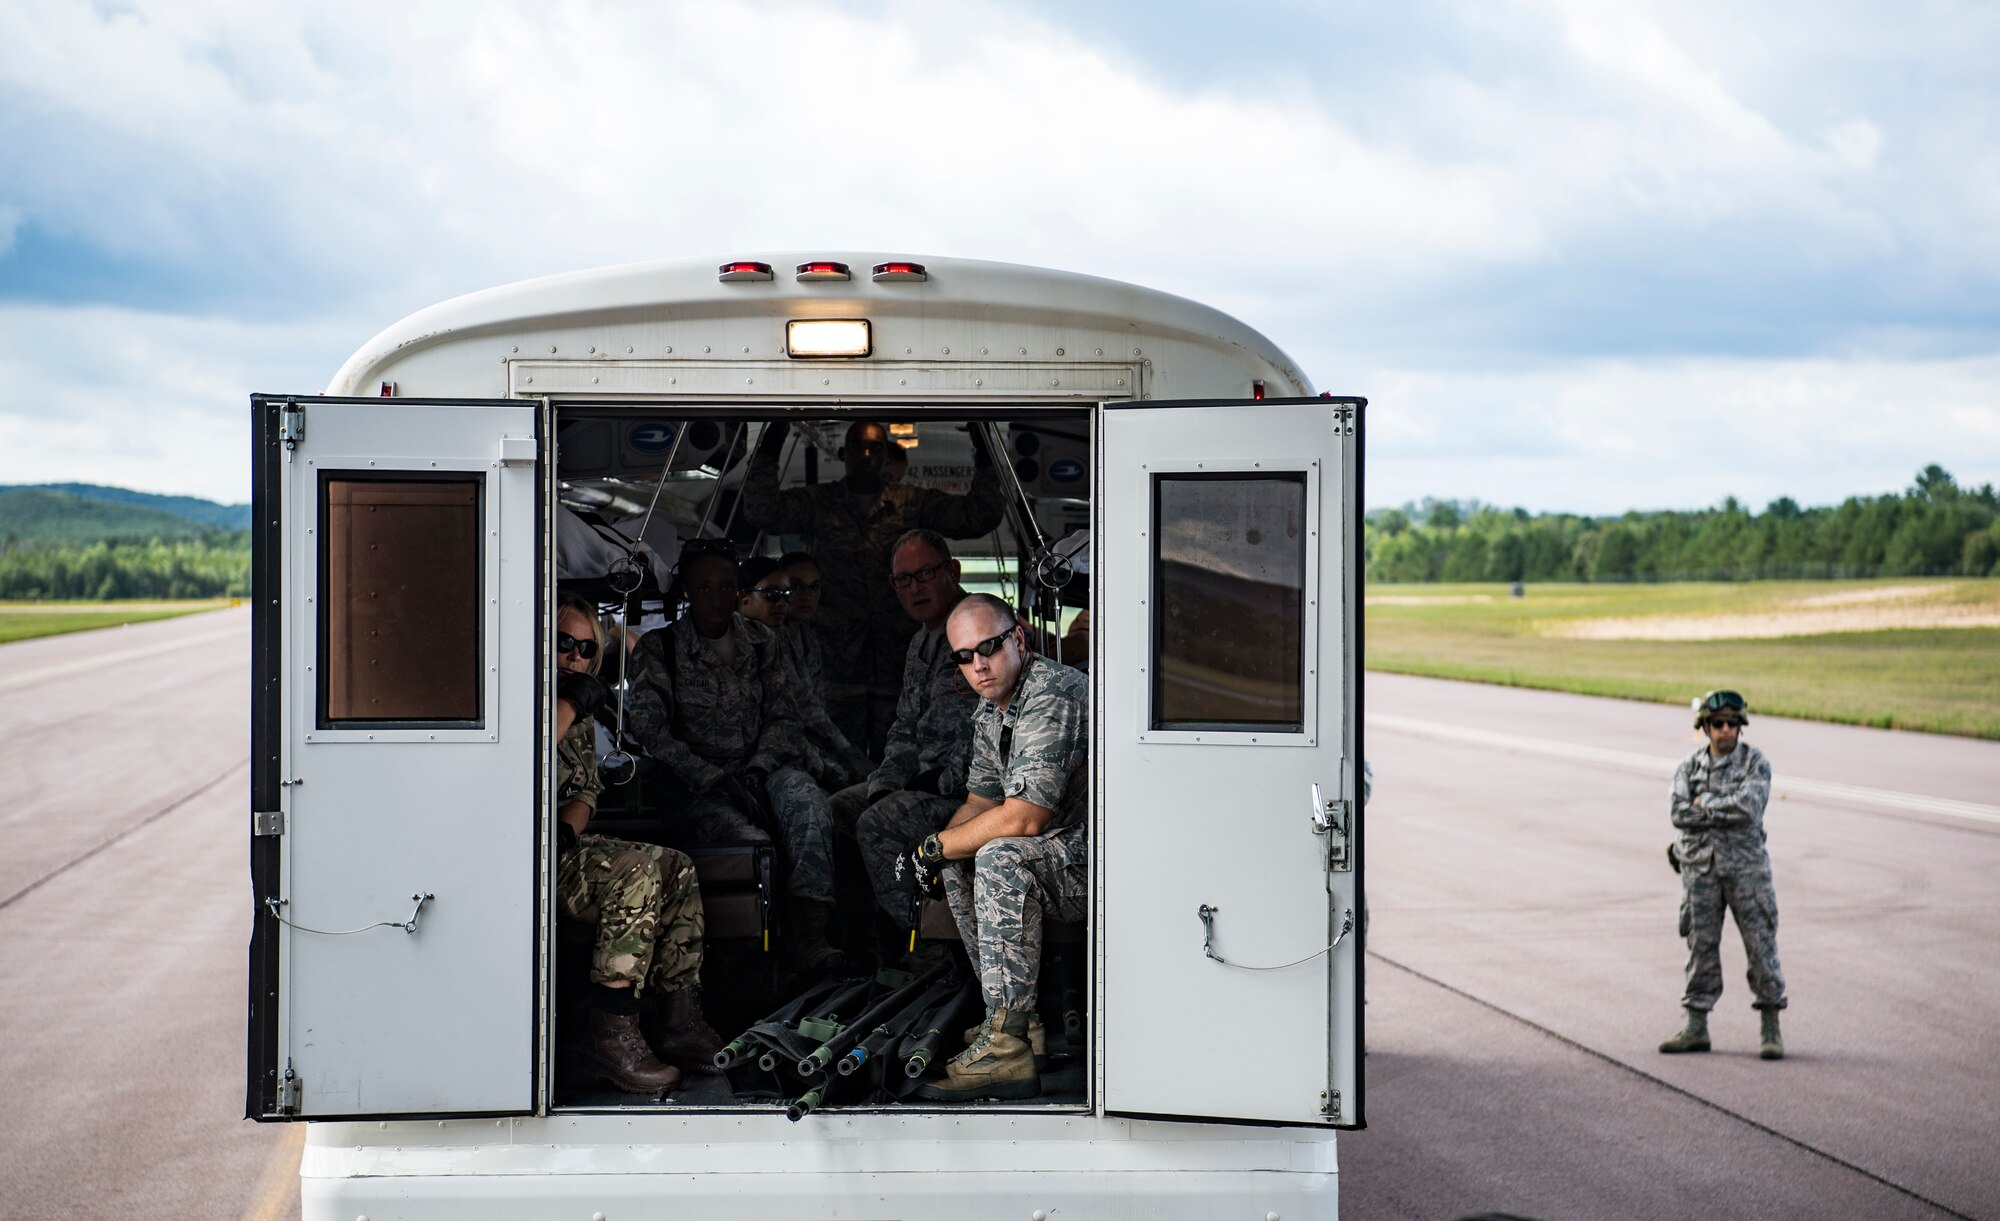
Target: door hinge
[
  {"x": 291, "y": 425},
  {"x": 1329, "y": 1103},
  {"x": 290, "y": 1089},
  {"x": 267, "y": 822}
]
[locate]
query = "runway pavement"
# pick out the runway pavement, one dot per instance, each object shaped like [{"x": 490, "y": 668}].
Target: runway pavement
[{"x": 1522, "y": 968}]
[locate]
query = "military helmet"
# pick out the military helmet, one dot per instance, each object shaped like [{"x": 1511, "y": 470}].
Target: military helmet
[{"x": 1720, "y": 701}]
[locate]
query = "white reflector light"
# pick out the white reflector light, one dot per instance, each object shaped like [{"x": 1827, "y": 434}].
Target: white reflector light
[{"x": 827, "y": 337}]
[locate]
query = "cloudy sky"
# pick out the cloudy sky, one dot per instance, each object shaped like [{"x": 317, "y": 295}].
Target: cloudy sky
[{"x": 1580, "y": 254}]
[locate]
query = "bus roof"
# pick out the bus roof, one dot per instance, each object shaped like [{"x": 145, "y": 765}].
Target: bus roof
[{"x": 957, "y": 294}]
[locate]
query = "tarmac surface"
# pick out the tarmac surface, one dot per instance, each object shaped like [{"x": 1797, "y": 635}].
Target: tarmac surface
[{"x": 1522, "y": 963}]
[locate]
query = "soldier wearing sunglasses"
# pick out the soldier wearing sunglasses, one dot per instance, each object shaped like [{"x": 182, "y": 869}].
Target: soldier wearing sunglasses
[
  {"x": 1718, "y": 802},
  {"x": 645, "y": 968},
  {"x": 712, "y": 701},
  {"x": 1017, "y": 852},
  {"x": 769, "y": 597}
]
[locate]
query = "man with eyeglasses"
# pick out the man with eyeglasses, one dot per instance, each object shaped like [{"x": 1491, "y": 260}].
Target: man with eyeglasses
[
  {"x": 920, "y": 782},
  {"x": 1718, "y": 801},
  {"x": 852, "y": 524},
  {"x": 1017, "y": 852},
  {"x": 645, "y": 968}
]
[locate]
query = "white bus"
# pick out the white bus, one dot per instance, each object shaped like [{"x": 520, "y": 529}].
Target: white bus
[{"x": 1165, "y": 466}]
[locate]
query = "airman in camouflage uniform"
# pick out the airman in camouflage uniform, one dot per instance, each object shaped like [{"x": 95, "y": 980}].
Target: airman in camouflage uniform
[
  {"x": 1018, "y": 851},
  {"x": 920, "y": 782},
  {"x": 643, "y": 898},
  {"x": 852, "y": 524},
  {"x": 718, "y": 713},
  {"x": 1718, "y": 798}
]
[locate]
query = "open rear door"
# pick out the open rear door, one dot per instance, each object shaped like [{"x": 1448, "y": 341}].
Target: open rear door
[
  {"x": 1228, "y": 680},
  {"x": 395, "y": 748}
]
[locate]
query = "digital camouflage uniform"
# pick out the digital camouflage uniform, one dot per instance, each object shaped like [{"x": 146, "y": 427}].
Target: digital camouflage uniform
[
  {"x": 642, "y": 897},
  {"x": 860, "y": 620},
  {"x": 707, "y": 718},
  {"x": 1038, "y": 750},
  {"x": 830, "y": 758},
  {"x": 1724, "y": 864},
  {"x": 932, "y": 733}
]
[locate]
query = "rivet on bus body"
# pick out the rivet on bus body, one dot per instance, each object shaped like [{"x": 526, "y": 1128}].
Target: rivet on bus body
[
  {"x": 514, "y": 347},
  {"x": 705, "y": 348},
  {"x": 826, "y": 381},
  {"x": 673, "y": 381},
  {"x": 746, "y": 351},
  {"x": 749, "y": 381},
  {"x": 1024, "y": 351},
  {"x": 902, "y": 381},
  {"x": 1100, "y": 351},
  {"x": 593, "y": 352},
  {"x": 670, "y": 349},
  {"x": 1136, "y": 352},
  {"x": 1062, "y": 352},
  {"x": 531, "y": 381},
  {"x": 593, "y": 381},
  {"x": 628, "y": 352},
  {"x": 552, "y": 350},
  {"x": 978, "y": 381},
  {"x": 982, "y": 351},
  {"x": 1055, "y": 381},
  {"x": 1039, "y": 1215},
  {"x": 944, "y": 351}
]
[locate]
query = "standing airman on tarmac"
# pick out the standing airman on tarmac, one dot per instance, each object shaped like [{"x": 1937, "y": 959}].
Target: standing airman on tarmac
[{"x": 1718, "y": 802}]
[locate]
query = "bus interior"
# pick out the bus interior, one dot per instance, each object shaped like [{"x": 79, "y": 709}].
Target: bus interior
[{"x": 634, "y": 482}]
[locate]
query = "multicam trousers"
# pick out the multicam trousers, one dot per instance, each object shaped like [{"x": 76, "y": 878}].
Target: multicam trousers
[
  {"x": 1000, "y": 899},
  {"x": 803, "y": 818},
  {"x": 646, "y": 906},
  {"x": 1748, "y": 894}
]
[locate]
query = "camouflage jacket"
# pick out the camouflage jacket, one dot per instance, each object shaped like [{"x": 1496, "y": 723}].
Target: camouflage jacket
[
  {"x": 704, "y": 716},
  {"x": 1726, "y": 826},
  {"x": 1038, "y": 749},
  {"x": 860, "y": 621},
  {"x": 933, "y": 726},
  {"x": 576, "y": 765},
  {"x": 802, "y": 646}
]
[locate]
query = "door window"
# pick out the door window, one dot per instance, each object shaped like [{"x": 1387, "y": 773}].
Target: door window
[
  {"x": 1229, "y": 578},
  {"x": 400, "y": 613}
]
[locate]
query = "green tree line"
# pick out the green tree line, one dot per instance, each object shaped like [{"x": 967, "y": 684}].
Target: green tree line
[
  {"x": 213, "y": 566},
  {"x": 1933, "y": 528}
]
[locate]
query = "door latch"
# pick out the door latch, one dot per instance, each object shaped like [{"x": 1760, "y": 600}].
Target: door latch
[
  {"x": 291, "y": 425},
  {"x": 1330, "y": 819},
  {"x": 290, "y": 1090},
  {"x": 267, "y": 822}
]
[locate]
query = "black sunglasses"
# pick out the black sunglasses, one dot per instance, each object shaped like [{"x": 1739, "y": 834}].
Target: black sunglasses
[
  {"x": 566, "y": 643},
  {"x": 985, "y": 648},
  {"x": 903, "y": 580},
  {"x": 1717, "y": 722},
  {"x": 772, "y": 595}
]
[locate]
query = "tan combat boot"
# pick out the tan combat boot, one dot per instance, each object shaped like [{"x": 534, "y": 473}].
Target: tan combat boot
[
  {"x": 1038, "y": 1039},
  {"x": 1772, "y": 1046},
  {"x": 679, "y": 1033},
  {"x": 999, "y": 1064},
  {"x": 1693, "y": 1037},
  {"x": 616, "y": 1052}
]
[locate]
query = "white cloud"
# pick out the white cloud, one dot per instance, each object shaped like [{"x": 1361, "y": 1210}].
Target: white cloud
[
  {"x": 1491, "y": 240},
  {"x": 1602, "y": 436}
]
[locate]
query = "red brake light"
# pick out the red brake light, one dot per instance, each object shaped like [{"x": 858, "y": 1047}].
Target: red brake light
[
  {"x": 743, "y": 269},
  {"x": 1256, "y": 390},
  {"x": 824, "y": 269},
  {"x": 900, "y": 271}
]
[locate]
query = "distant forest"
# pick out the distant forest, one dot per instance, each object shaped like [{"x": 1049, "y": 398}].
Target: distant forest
[
  {"x": 1934, "y": 528},
  {"x": 83, "y": 541}
]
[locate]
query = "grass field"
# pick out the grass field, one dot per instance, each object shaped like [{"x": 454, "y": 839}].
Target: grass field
[
  {"x": 1904, "y": 653},
  {"x": 26, "y": 620}
]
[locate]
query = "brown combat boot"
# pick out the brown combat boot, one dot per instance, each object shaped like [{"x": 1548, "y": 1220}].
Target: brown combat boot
[
  {"x": 807, "y": 952},
  {"x": 616, "y": 1052},
  {"x": 678, "y": 1031},
  {"x": 1038, "y": 1039},
  {"x": 1693, "y": 1036},
  {"x": 999, "y": 1064},
  {"x": 1772, "y": 1045}
]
